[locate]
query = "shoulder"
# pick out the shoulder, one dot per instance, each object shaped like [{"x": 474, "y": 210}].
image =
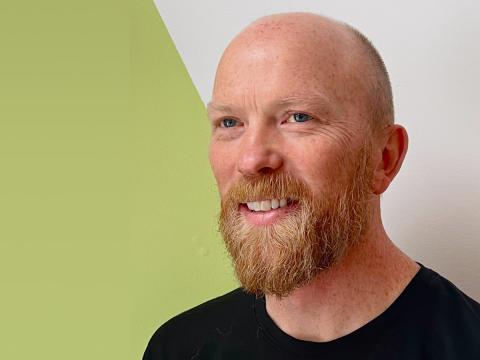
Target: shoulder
[
  {"x": 451, "y": 318},
  {"x": 214, "y": 310},
  {"x": 443, "y": 294},
  {"x": 181, "y": 335}
]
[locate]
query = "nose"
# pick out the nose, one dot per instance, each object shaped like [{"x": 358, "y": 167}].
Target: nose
[{"x": 259, "y": 153}]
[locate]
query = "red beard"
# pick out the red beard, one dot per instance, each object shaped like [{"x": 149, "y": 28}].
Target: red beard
[{"x": 278, "y": 258}]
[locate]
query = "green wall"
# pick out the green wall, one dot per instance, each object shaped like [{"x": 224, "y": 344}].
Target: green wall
[{"x": 107, "y": 203}]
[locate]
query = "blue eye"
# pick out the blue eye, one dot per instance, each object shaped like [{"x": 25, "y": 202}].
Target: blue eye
[
  {"x": 301, "y": 117},
  {"x": 228, "y": 122}
]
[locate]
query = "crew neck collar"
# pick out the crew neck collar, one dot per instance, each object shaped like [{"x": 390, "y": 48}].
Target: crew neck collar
[{"x": 367, "y": 334}]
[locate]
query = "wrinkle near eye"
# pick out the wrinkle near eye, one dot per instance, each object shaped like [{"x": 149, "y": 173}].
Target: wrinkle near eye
[
  {"x": 337, "y": 133},
  {"x": 341, "y": 134}
]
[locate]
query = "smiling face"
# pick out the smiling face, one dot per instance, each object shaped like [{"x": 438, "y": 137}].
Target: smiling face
[{"x": 290, "y": 151}]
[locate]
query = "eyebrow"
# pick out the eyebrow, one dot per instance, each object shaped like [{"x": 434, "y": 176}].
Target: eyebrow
[
  {"x": 317, "y": 101},
  {"x": 218, "y": 107}
]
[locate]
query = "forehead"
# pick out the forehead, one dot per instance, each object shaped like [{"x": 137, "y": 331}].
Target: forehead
[{"x": 280, "y": 68}]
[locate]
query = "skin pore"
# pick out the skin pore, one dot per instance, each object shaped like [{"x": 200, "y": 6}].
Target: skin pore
[{"x": 292, "y": 95}]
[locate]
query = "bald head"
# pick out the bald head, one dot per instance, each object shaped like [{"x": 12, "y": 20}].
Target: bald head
[
  {"x": 332, "y": 53},
  {"x": 296, "y": 98}
]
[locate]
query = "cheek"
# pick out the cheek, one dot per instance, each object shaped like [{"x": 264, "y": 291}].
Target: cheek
[
  {"x": 222, "y": 165},
  {"x": 316, "y": 162}
]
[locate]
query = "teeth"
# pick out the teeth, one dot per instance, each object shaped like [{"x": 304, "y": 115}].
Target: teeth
[
  {"x": 266, "y": 205},
  {"x": 275, "y": 203}
]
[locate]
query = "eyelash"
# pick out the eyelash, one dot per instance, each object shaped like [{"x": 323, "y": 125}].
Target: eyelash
[
  {"x": 310, "y": 117},
  {"x": 221, "y": 123}
]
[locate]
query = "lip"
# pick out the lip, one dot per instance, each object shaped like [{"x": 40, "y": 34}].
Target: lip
[{"x": 265, "y": 218}]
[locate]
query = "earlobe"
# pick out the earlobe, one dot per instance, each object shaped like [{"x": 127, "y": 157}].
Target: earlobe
[{"x": 393, "y": 153}]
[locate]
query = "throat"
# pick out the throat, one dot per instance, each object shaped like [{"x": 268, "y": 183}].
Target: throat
[{"x": 338, "y": 302}]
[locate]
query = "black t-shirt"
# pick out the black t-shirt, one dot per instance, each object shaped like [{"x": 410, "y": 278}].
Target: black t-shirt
[{"x": 431, "y": 319}]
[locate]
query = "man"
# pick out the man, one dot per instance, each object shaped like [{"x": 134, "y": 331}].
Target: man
[{"x": 303, "y": 145}]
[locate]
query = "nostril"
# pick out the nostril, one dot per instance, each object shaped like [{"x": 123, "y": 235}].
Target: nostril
[
  {"x": 255, "y": 168},
  {"x": 266, "y": 171}
]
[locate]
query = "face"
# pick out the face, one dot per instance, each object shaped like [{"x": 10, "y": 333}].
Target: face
[{"x": 289, "y": 155}]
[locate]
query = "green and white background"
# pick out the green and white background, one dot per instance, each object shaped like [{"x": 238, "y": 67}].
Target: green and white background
[{"x": 107, "y": 203}]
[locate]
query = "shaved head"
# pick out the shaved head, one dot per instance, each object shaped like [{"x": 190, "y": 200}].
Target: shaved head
[
  {"x": 380, "y": 97},
  {"x": 335, "y": 48},
  {"x": 298, "y": 106}
]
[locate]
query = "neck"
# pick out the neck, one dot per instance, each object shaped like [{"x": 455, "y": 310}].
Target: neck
[{"x": 363, "y": 284}]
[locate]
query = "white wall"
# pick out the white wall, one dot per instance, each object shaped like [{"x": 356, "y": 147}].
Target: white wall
[{"x": 432, "y": 52}]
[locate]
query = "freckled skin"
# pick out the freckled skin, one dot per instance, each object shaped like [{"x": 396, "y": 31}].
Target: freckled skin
[
  {"x": 315, "y": 61},
  {"x": 267, "y": 63}
]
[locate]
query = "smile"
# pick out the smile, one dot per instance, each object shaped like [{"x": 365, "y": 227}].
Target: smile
[
  {"x": 266, "y": 205},
  {"x": 267, "y": 212}
]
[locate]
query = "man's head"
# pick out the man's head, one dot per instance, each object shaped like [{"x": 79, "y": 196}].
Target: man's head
[{"x": 299, "y": 111}]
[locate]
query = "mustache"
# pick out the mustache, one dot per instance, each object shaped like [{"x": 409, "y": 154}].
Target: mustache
[{"x": 270, "y": 186}]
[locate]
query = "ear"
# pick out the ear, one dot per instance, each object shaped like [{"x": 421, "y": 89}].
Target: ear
[{"x": 394, "y": 148}]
